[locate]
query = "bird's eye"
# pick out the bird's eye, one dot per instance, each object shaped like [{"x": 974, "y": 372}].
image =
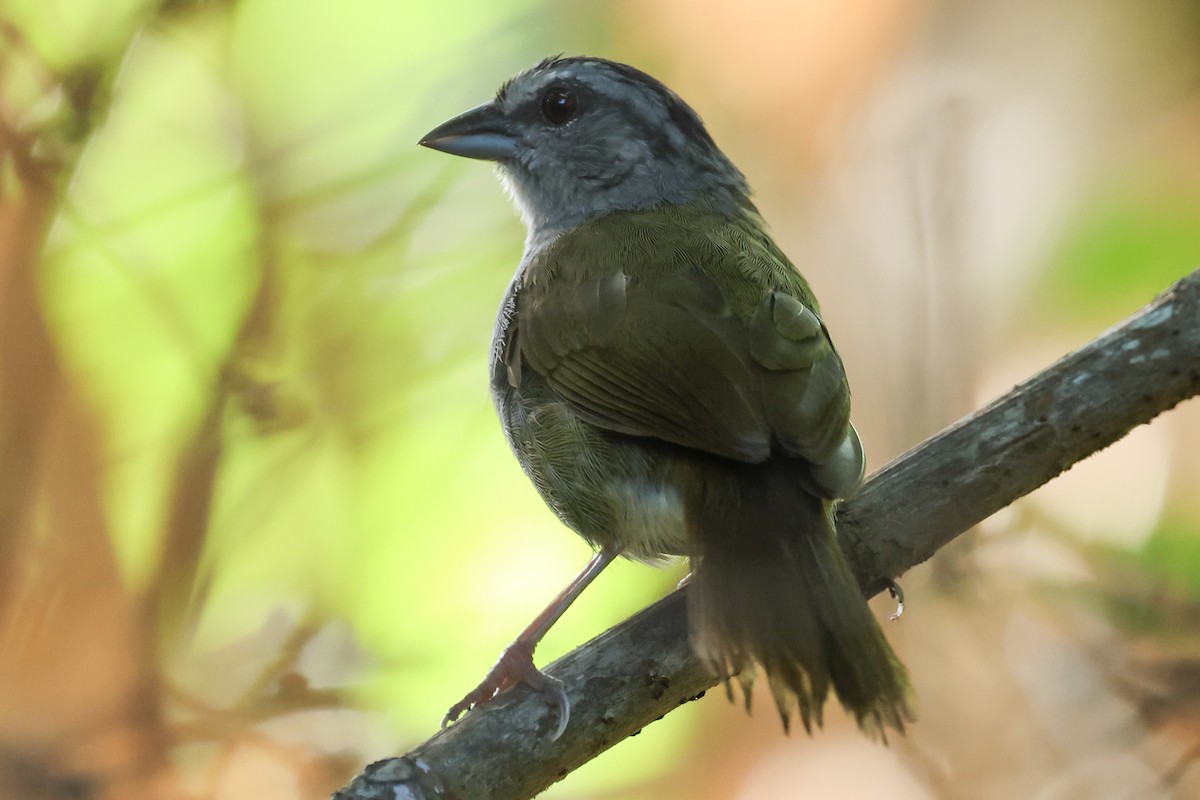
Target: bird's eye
[{"x": 559, "y": 106}]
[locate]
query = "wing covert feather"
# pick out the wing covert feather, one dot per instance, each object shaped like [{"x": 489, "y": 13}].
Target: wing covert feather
[{"x": 665, "y": 352}]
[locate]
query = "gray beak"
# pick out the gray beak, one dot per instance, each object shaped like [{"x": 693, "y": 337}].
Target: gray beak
[{"x": 482, "y": 132}]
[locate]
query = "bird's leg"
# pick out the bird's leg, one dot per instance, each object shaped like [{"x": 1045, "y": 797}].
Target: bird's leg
[{"x": 515, "y": 664}]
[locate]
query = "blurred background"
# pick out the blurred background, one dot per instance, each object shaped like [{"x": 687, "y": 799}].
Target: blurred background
[{"x": 258, "y": 524}]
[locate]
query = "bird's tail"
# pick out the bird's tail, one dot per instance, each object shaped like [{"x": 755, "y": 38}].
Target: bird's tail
[{"x": 771, "y": 587}]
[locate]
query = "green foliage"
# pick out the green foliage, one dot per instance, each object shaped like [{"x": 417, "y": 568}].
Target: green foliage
[
  {"x": 1132, "y": 238},
  {"x": 1151, "y": 591},
  {"x": 1172, "y": 555}
]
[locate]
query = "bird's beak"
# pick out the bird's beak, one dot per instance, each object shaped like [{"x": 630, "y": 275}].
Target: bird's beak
[{"x": 482, "y": 132}]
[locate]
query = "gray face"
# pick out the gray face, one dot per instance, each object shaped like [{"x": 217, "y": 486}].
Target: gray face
[{"x": 576, "y": 138}]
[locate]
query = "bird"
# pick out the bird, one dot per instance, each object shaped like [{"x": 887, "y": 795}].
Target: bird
[{"x": 665, "y": 378}]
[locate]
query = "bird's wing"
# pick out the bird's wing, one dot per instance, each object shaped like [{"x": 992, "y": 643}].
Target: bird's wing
[{"x": 666, "y": 355}]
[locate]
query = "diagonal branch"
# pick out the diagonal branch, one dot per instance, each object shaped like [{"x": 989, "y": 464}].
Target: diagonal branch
[{"x": 642, "y": 669}]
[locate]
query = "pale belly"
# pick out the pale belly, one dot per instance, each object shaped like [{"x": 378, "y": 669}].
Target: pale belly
[{"x": 649, "y": 520}]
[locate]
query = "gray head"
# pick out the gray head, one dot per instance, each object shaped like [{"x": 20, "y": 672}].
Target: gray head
[{"x": 576, "y": 138}]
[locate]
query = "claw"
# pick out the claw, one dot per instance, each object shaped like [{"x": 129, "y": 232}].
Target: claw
[
  {"x": 556, "y": 694},
  {"x": 514, "y": 666},
  {"x": 898, "y": 595}
]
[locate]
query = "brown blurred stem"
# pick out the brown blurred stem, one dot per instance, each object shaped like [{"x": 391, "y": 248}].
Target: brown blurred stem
[{"x": 642, "y": 669}]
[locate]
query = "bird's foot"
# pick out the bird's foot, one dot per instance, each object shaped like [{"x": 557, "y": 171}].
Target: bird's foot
[
  {"x": 514, "y": 666},
  {"x": 898, "y": 595}
]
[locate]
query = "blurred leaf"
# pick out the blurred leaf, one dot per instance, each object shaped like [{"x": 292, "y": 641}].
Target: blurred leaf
[
  {"x": 1154, "y": 590},
  {"x": 1133, "y": 237},
  {"x": 150, "y": 267},
  {"x": 67, "y": 33},
  {"x": 1172, "y": 554}
]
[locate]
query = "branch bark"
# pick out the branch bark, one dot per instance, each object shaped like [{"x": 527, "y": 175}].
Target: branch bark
[{"x": 642, "y": 669}]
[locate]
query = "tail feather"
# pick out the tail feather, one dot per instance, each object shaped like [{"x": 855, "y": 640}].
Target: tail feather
[{"x": 771, "y": 588}]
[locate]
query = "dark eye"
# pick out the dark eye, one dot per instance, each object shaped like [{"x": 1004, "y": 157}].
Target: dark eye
[{"x": 559, "y": 106}]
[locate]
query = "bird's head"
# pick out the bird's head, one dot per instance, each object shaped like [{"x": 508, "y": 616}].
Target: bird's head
[{"x": 576, "y": 138}]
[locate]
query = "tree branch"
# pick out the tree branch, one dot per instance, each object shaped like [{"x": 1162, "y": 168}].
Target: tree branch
[{"x": 642, "y": 669}]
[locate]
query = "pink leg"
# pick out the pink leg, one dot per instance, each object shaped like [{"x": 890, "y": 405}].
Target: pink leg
[{"x": 516, "y": 662}]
